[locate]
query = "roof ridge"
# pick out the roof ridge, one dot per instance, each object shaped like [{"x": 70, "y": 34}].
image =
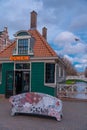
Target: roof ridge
[{"x": 46, "y": 43}]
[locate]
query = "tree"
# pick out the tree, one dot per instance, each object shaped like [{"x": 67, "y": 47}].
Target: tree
[{"x": 70, "y": 69}]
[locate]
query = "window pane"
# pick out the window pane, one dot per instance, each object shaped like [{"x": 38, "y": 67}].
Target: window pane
[
  {"x": 26, "y": 66},
  {"x": 22, "y": 66},
  {"x": 50, "y": 73},
  {"x": 23, "y": 46}
]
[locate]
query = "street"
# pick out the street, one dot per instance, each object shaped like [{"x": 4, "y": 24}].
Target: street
[{"x": 74, "y": 118}]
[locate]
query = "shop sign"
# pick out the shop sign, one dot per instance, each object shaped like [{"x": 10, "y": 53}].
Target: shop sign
[{"x": 19, "y": 58}]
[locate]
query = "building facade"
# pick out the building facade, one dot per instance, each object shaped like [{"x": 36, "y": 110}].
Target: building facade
[
  {"x": 4, "y": 39},
  {"x": 29, "y": 64}
]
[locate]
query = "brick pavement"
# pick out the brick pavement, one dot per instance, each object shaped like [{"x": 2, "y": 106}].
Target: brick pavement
[{"x": 74, "y": 118}]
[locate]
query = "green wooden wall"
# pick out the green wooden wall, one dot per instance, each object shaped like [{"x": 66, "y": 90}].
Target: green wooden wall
[
  {"x": 5, "y": 67},
  {"x": 37, "y": 79}
]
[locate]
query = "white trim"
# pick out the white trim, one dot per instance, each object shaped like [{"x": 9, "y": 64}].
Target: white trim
[
  {"x": 23, "y": 37},
  {"x": 18, "y": 48},
  {"x": 6, "y": 61},
  {"x": 44, "y": 58},
  {"x": 50, "y": 85}
]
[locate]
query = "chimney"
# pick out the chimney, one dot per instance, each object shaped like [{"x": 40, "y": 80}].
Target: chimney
[
  {"x": 44, "y": 32},
  {"x": 33, "y": 22}
]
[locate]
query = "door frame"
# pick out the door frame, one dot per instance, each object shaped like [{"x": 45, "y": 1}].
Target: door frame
[
  {"x": 22, "y": 78},
  {"x": 25, "y": 70}
]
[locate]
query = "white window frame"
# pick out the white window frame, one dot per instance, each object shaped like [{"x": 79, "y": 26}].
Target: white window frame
[
  {"x": 28, "y": 44},
  {"x": 23, "y": 37}
]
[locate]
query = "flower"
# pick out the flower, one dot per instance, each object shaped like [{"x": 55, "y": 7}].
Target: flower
[{"x": 33, "y": 98}]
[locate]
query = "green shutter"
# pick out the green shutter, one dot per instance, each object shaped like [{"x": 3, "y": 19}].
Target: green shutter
[{"x": 5, "y": 67}]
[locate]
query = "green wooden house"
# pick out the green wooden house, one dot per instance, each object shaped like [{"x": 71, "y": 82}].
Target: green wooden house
[{"x": 29, "y": 64}]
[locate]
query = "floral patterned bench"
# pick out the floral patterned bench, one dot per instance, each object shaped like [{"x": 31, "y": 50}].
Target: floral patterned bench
[{"x": 36, "y": 103}]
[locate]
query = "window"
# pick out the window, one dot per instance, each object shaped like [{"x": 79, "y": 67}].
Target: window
[
  {"x": 0, "y": 73},
  {"x": 23, "y": 46},
  {"x": 50, "y": 73},
  {"x": 22, "y": 66},
  {"x": 24, "y": 43}
]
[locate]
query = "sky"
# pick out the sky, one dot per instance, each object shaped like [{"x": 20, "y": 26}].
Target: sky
[{"x": 65, "y": 20}]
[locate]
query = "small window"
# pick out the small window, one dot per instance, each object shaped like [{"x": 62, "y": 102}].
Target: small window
[
  {"x": 0, "y": 73},
  {"x": 50, "y": 73},
  {"x": 23, "y": 46}
]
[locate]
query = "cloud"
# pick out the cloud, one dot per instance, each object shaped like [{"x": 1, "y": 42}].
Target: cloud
[
  {"x": 73, "y": 48},
  {"x": 69, "y": 43},
  {"x": 79, "y": 63},
  {"x": 83, "y": 60},
  {"x": 58, "y": 16},
  {"x": 65, "y": 37},
  {"x": 16, "y": 14},
  {"x": 80, "y": 67}
]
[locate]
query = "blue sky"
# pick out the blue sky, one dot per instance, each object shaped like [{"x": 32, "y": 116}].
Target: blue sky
[{"x": 66, "y": 21}]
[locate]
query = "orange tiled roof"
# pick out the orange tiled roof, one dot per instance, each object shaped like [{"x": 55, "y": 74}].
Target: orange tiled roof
[
  {"x": 41, "y": 47},
  {"x": 8, "y": 51}
]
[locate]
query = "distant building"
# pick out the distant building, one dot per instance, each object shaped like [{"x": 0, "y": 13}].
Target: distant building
[
  {"x": 29, "y": 64},
  {"x": 4, "y": 39}
]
